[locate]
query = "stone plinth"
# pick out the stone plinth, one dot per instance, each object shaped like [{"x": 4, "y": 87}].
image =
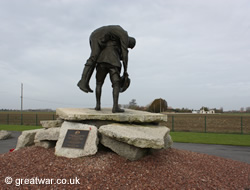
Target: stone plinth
[
  {"x": 131, "y": 116},
  {"x": 132, "y": 134}
]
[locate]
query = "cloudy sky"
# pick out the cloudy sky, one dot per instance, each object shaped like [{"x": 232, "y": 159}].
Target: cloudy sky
[{"x": 191, "y": 53}]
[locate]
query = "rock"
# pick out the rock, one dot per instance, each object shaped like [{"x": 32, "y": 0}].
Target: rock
[
  {"x": 168, "y": 141},
  {"x": 47, "y": 134},
  {"x": 4, "y": 134},
  {"x": 125, "y": 150},
  {"x": 51, "y": 123},
  {"x": 80, "y": 114},
  {"x": 91, "y": 143},
  {"x": 26, "y": 138},
  {"x": 46, "y": 144},
  {"x": 148, "y": 136}
]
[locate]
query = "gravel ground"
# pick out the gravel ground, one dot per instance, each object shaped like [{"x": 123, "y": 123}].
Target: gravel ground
[{"x": 167, "y": 169}]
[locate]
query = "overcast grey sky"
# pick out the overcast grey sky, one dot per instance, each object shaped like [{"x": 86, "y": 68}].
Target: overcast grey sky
[{"x": 191, "y": 53}]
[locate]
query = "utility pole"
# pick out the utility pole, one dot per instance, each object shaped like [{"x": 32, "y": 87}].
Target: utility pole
[
  {"x": 160, "y": 105},
  {"x": 21, "y": 97}
]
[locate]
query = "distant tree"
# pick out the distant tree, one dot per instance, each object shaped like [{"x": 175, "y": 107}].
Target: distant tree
[
  {"x": 217, "y": 110},
  {"x": 205, "y": 108},
  {"x": 158, "y": 105},
  {"x": 132, "y": 104}
]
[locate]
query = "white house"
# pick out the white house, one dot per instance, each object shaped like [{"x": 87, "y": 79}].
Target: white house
[{"x": 202, "y": 111}]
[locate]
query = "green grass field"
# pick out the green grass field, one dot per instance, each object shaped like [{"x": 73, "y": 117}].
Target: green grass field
[
  {"x": 186, "y": 137},
  {"x": 211, "y": 138},
  {"x": 18, "y": 127}
]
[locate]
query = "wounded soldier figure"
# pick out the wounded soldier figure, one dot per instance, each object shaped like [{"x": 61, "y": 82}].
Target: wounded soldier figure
[{"x": 109, "y": 45}]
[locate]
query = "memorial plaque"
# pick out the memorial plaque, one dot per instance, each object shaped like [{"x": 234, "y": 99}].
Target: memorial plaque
[{"x": 75, "y": 139}]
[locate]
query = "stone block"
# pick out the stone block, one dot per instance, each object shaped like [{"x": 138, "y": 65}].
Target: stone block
[
  {"x": 147, "y": 136},
  {"x": 123, "y": 149},
  {"x": 26, "y": 138},
  {"x": 91, "y": 143},
  {"x": 51, "y": 123},
  {"x": 46, "y": 144},
  {"x": 168, "y": 142},
  {"x": 4, "y": 134},
  {"x": 47, "y": 134},
  {"x": 132, "y": 116}
]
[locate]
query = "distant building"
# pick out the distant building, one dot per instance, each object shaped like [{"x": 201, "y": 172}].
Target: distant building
[{"x": 202, "y": 111}]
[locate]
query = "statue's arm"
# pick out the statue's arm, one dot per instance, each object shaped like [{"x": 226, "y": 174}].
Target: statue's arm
[
  {"x": 123, "y": 36},
  {"x": 125, "y": 61}
]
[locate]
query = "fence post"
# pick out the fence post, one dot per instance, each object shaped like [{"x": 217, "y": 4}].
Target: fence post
[
  {"x": 36, "y": 119},
  {"x": 241, "y": 125},
  {"x": 172, "y": 123},
  {"x": 205, "y": 124},
  {"x": 21, "y": 119}
]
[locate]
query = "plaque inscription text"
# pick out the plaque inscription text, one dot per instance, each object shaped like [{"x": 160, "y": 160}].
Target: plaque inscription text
[{"x": 75, "y": 139}]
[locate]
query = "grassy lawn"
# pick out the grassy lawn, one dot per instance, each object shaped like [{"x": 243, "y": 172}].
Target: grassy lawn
[
  {"x": 211, "y": 138},
  {"x": 18, "y": 127},
  {"x": 186, "y": 137}
]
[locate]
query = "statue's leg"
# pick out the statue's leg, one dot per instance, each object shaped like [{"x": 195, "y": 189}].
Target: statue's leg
[
  {"x": 100, "y": 77},
  {"x": 89, "y": 67},
  {"x": 98, "y": 93},
  {"x": 116, "y": 109},
  {"x": 115, "y": 79},
  {"x": 83, "y": 84}
]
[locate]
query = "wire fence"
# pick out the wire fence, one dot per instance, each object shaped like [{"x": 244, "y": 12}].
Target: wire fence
[
  {"x": 209, "y": 123},
  {"x": 32, "y": 119},
  {"x": 214, "y": 123}
]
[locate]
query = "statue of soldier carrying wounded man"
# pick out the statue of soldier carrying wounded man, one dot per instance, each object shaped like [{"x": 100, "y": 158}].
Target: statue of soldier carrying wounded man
[{"x": 109, "y": 45}]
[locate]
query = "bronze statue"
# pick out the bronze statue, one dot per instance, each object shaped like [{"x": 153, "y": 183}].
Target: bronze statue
[{"x": 109, "y": 45}]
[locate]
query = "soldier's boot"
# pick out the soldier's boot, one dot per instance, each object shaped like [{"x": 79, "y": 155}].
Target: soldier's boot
[
  {"x": 116, "y": 108},
  {"x": 83, "y": 84}
]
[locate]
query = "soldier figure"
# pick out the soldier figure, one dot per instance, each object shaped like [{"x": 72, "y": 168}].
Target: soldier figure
[{"x": 109, "y": 45}]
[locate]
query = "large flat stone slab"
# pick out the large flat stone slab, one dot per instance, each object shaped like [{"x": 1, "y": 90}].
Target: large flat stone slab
[
  {"x": 91, "y": 143},
  {"x": 79, "y": 114},
  {"x": 147, "y": 136},
  {"x": 123, "y": 149}
]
